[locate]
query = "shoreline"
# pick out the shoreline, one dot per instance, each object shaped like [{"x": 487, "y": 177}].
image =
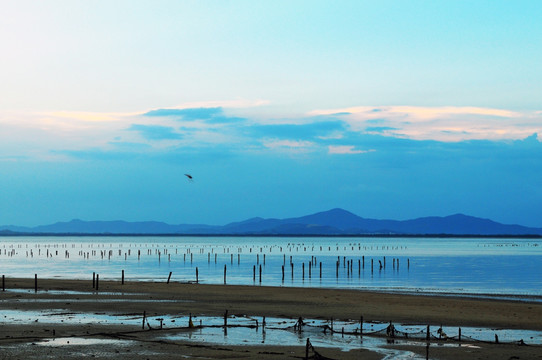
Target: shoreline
[
  {"x": 513, "y": 297},
  {"x": 292, "y": 302},
  {"x": 466, "y": 295}
]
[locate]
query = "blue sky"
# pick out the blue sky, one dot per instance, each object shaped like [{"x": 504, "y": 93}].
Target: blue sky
[{"x": 389, "y": 109}]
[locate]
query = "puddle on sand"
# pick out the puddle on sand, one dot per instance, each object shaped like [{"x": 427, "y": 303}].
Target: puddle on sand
[
  {"x": 83, "y": 341},
  {"x": 92, "y": 301},
  {"x": 243, "y": 330},
  {"x": 281, "y": 337},
  {"x": 62, "y": 316},
  {"x": 103, "y": 343},
  {"x": 280, "y": 332},
  {"x": 71, "y": 292},
  {"x": 469, "y": 334},
  {"x": 123, "y": 297}
]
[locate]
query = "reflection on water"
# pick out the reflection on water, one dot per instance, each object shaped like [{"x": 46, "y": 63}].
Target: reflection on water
[
  {"x": 83, "y": 341},
  {"x": 257, "y": 330},
  {"x": 472, "y": 266},
  {"x": 276, "y": 331}
]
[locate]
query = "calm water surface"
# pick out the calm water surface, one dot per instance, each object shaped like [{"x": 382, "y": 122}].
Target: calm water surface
[{"x": 469, "y": 266}]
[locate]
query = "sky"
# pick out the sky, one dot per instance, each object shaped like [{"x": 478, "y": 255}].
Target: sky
[{"x": 388, "y": 109}]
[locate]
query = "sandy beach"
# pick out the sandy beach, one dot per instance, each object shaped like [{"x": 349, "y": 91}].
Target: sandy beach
[{"x": 160, "y": 298}]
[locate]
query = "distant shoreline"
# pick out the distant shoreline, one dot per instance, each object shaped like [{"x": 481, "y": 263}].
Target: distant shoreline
[{"x": 474, "y": 236}]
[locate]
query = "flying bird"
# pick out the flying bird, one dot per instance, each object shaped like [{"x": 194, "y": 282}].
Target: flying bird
[{"x": 190, "y": 178}]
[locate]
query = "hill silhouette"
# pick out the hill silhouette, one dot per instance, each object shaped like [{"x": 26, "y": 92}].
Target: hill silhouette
[{"x": 332, "y": 222}]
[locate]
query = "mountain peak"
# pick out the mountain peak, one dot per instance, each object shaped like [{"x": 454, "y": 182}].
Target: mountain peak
[
  {"x": 336, "y": 212},
  {"x": 339, "y": 211}
]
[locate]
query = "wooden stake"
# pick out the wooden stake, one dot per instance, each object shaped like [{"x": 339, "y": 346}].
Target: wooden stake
[
  {"x": 320, "y": 269},
  {"x": 144, "y": 316}
]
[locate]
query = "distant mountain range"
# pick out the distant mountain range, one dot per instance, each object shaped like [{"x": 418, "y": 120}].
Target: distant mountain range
[{"x": 332, "y": 222}]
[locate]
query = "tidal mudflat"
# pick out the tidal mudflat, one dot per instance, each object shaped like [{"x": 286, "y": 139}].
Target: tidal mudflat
[{"x": 43, "y": 322}]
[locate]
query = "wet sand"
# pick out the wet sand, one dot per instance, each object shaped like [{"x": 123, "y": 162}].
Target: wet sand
[{"x": 212, "y": 300}]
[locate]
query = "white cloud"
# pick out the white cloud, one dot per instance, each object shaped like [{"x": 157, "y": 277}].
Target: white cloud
[
  {"x": 346, "y": 149},
  {"x": 289, "y": 145},
  {"x": 35, "y": 135},
  {"x": 440, "y": 123}
]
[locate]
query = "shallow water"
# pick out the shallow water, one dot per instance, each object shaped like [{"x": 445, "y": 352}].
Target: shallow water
[
  {"x": 83, "y": 341},
  {"x": 70, "y": 292},
  {"x": 250, "y": 330},
  {"x": 281, "y": 332},
  {"x": 460, "y": 266}
]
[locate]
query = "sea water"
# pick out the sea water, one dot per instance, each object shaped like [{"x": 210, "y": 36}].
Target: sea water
[{"x": 496, "y": 266}]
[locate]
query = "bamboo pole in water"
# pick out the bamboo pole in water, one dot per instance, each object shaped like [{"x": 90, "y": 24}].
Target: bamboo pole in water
[
  {"x": 144, "y": 316},
  {"x": 320, "y": 269}
]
